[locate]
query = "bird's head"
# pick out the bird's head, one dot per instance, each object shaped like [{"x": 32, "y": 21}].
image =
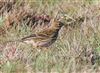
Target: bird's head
[
  {"x": 56, "y": 24},
  {"x": 59, "y": 19},
  {"x": 55, "y": 20}
]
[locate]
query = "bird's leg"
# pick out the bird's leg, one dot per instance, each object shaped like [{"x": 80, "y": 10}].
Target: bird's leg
[
  {"x": 38, "y": 52},
  {"x": 45, "y": 49}
]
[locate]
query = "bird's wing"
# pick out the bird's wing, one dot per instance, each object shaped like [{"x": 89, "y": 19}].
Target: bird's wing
[
  {"x": 39, "y": 36},
  {"x": 42, "y": 35}
]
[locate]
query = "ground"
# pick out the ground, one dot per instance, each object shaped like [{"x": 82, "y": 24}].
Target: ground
[{"x": 76, "y": 50}]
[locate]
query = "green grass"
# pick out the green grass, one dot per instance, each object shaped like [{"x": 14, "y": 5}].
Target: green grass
[{"x": 71, "y": 53}]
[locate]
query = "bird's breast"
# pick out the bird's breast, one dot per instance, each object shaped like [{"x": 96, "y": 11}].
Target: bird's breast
[{"x": 47, "y": 43}]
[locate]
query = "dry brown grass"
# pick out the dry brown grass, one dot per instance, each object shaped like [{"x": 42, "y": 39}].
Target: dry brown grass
[{"x": 77, "y": 49}]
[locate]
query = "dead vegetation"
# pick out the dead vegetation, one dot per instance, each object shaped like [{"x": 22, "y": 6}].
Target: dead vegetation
[{"x": 76, "y": 49}]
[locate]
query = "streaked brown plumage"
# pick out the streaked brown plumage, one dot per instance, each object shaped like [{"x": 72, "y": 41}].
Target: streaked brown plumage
[{"x": 46, "y": 37}]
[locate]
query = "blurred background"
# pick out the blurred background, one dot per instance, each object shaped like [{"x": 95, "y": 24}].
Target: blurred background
[{"x": 77, "y": 49}]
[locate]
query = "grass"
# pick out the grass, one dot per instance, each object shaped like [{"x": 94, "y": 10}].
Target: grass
[{"x": 77, "y": 49}]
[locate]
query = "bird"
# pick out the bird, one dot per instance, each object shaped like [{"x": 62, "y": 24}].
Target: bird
[{"x": 45, "y": 37}]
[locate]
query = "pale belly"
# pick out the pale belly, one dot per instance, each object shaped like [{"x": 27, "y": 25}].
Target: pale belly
[{"x": 44, "y": 43}]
